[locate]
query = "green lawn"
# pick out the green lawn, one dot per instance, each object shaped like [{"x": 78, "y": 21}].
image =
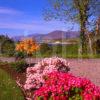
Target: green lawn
[
  {"x": 8, "y": 88},
  {"x": 65, "y": 51}
]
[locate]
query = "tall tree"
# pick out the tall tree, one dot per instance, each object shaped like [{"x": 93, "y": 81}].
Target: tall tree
[{"x": 81, "y": 11}]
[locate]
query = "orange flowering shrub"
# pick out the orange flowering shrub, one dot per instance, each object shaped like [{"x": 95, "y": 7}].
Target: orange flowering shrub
[{"x": 28, "y": 46}]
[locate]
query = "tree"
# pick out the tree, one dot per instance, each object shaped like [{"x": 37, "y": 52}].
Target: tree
[
  {"x": 3, "y": 37},
  {"x": 7, "y": 45},
  {"x": 81, "y": 11}
]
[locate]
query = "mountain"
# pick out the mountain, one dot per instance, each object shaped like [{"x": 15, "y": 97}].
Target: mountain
[
  {"x": 35, "y": 36},
  {"x": 55, "y": 35},
  {"x": 61, "y": 35},
  {"x": 17, "y": 38}
]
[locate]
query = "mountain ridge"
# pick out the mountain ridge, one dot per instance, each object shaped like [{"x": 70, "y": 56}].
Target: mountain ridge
[{"x": 54, "y": 35}]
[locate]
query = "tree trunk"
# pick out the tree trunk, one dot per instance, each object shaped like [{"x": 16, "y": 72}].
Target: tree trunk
[
  {"x": 90, "y": 46},
  {"x": 83, "y": 17},
  {"x": 83, "y": 48}
]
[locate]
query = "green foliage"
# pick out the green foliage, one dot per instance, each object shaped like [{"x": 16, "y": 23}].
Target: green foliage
[
  {"x": 19, "y": 66},
  {"x": 7, "y": 46},
  {"x": 72, "y": 49},
  {"x": 69, "y": 51},
  {"x": 66, "y": 50},
  {"x": 20, "y": 55},
  {"x": 8, "y": 88},
  {"x": 44, "y": 48},
  {"x": 3, "y": 38},
  {"x": 75, "y": 94},
  {"x": 58, "y": 49}
]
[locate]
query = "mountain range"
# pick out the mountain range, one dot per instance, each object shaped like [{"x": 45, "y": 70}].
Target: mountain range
[{"x": 55, "y": 35}]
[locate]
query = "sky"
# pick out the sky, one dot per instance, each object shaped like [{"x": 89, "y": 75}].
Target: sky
[{"x": 23, "y": 17}]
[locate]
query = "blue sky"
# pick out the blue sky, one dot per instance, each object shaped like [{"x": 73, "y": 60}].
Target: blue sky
[{"x": 23, "y": 17}]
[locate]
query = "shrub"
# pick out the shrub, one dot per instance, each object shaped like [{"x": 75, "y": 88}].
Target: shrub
[
  {"x": 28, "y": 46},
  {"x": 19, "y": 66},
  {"x": 64, "y": 86},
  {"x": 19, "y": 55},
  {"x": 8, "y": 47},
  {"x": 35, "y": 75},
  {"x": 44, "y": 47}
]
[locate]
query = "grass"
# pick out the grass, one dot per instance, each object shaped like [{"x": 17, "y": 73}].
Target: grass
[
  {"x": 58, "y": 50},
  {"x": 8, "y": 88},
  {"x": 65, "y": 51},
  {"x": 70, "y": 51}
]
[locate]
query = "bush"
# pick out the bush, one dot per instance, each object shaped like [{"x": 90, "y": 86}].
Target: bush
[
  {"x": 19, "y": 55},
  {"x": 19, "y": 66},
  {"x": 64, "y": 86},
  {"x": 44, "y": 48},
  {"x": 35, "y": 75},
  {"x": 8, "y": 47}
]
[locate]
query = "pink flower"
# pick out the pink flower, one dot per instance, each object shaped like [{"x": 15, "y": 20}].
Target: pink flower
[
  {"x": 59, "y": 86},
  {"x": 35, "y": 75}
]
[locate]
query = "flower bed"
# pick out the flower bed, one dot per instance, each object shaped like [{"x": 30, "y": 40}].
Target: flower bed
[
  {"x": 49, "y": 80},
  {"x": 36, "y": 75},
  {"x": 64, "y": 86}
]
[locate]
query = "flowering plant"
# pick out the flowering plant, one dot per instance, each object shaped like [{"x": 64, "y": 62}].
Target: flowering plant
[
  {"x": 27, "y": 45},
  {"x": 36, "y": 75},
  {"x": 64, "y": 86}
]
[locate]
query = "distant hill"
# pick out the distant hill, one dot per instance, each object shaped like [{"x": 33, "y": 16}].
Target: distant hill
[
  {"x": 17, "y": 38},
  {"x": 55, "y": 35},
  {"x": 61, "y": 35}
]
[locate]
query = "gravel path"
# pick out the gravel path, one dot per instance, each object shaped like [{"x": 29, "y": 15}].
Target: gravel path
[
  {"x": 86, "y": 68},
  {"x": 89, "y": 68}
]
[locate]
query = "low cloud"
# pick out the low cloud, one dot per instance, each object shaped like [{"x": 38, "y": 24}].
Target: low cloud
[{"x": 9, "y": 11}]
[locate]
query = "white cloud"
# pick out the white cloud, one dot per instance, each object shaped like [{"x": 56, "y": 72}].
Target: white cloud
[
  {"x": 26, "y": 23},
  {"x": 9, "y": 11}
]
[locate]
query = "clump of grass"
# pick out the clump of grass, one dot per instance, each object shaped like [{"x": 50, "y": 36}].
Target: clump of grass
[{"x": 8, "y": 88}]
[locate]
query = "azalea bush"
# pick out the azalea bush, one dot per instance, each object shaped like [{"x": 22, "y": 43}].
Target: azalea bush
[
  {"x": 64, "y": 86},
  {"x": 27, "y": 46},
  {"x": 36, "y": 75},
  {"x": 49, "y": 80}
]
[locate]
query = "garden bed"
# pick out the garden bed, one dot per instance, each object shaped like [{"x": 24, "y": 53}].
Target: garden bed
[{"x": 84, "y": 68}]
